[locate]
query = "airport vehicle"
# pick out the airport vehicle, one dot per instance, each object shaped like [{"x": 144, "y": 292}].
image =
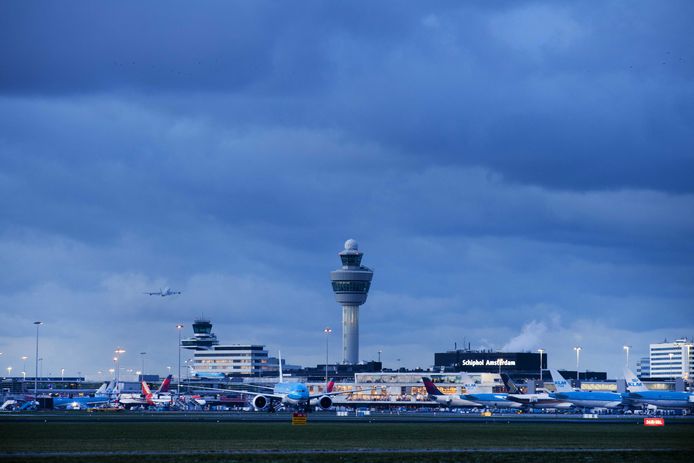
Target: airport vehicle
[
  {"x": 638, "y": 395},
  {"x": 447, "y": 400},
  {"x": 583, "y": 399},
  {"x": 163, "y": 292},
  {"x": 540, "y": 400}
]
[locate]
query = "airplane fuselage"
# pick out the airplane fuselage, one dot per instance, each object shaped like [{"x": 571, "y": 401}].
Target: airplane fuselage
[
  {"x": 292, "y": 393},
  {"x": 584, "y": 399},
  {"x": 493, "y": 400},
  {"x": 660, "y": 399}
]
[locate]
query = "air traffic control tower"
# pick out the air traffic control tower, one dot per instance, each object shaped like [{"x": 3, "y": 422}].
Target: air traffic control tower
[{"x": 351, "y": 285}]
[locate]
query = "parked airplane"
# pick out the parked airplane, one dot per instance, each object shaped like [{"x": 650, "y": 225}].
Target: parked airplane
[
  {"x": 583, "y": 399},
  {"x": 447, "y": 400},
  {"x": 293, "y": 394},
  {"x": 160, "y": 396},
  {"x": 537, "y": 400},
  {"x": 639, "y": 396},
  {"x": 204, "y": 374},
  {"x": 101, "y": 397},
  {"x": 163, "y": 292},
  {"x": 495, "y": 400}
]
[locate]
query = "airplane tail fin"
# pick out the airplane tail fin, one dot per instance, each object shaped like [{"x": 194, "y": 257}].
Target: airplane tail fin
[
  {"x": 165, "y": 384},
  {"x": 510, "y": 385},
  {"x": 147, "y": 393},
  {"x": 103, "y": 389},
  {"x": 469, "y": 384},
  {"x": 330, "y": 386},
  {"x": 279, "y": 358},
  {"x": 634, "y": 384},
  {"x": 560, "y": 384},
  {"x": 431, "y": 387},
  {"x": 145, "y": 389}
]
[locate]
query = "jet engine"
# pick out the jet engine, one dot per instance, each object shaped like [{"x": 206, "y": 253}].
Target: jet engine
[
  {"x": 323, "y": 402},
  {"x": 260, "y": 402}
]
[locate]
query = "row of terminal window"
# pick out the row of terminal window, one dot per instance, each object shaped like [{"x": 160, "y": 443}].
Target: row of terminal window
[{"x": 342, "y": 286}]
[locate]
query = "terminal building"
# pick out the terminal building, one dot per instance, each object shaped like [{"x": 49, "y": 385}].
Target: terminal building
[
  {"x": 210, "y": 357},
  {"x": 526, "y": 365},
  {"x": 671, "y": 360}
]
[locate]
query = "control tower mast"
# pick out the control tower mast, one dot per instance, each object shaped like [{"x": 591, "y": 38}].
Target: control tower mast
[{"x": 351, "y": 285}]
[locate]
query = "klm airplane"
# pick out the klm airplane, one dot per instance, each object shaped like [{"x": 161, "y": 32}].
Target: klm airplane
[
  {"x": 639, "y": 396},
  {"x": 583, "y": 399},
  {"x": 493, "y": 400},
  {"x": 102, "y": 396},
  {"x": 286, "y": 393}
]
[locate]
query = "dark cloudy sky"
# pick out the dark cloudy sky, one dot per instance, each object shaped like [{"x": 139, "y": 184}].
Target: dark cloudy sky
[{"x": 519, "y": 174}]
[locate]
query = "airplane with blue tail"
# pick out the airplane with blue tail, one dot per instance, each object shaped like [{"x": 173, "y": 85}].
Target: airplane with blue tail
[
  {"x": 583, "y": 399},
  {"x": 286, "y": 393},
  {"x": 638, "y": 395}
]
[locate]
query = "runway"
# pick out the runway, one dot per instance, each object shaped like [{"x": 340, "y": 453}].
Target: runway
[{"x": 323, "y": 417}]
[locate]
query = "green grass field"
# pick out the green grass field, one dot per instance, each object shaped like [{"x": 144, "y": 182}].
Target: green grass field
[{"x": 193, "y": 442}]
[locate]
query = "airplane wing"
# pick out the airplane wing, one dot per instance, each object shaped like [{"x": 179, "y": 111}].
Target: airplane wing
[
  {"x": 152, "y": 294},
  {"x": 330, "y": 394},
  {"x": 234, "y": 391}
]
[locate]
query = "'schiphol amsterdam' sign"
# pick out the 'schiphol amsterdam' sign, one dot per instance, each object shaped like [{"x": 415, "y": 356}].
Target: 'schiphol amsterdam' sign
[{"x": 482, "y": 363}]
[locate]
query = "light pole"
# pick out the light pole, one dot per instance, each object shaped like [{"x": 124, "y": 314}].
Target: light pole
[
  {"x": 578, "y": 356},
  {"x": 541, "y": 351},
  {"x": 118, "y": 351},
  {"x": 9, "y": 371},
  {"x": 36, "y": 370},
  {"x": 143, "y": 362},
  {"x": 670, "y": 365},
  {"x": 24, "y": 365},
  {"x": 179, "y": 327},
  {"x": 327, "y": 332},
  {"x": 626, "y": 348},
  {"x": 62, "y": 374}
]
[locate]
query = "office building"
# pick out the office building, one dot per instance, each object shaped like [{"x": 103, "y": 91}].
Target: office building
[{"x": 672, "y": 359}]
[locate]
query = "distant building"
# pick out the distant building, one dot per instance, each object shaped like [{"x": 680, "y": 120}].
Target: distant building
[
  {"x": 230, "y": 359},
  {"x": 672, "y": 359}
]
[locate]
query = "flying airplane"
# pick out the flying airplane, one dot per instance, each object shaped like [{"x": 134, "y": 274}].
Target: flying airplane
[
  {"x": 163, "y": 292},
  {"x": 538, "y": 400},
  {"x": 583, "y": 399},
  {"x": 447, "y": 400},
  {"x": 285, "y": 393},
  {"x": 638, "y": 395}
]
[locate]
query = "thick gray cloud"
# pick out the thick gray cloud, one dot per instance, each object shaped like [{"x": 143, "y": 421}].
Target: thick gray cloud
[{"x": 518, "y": 175}]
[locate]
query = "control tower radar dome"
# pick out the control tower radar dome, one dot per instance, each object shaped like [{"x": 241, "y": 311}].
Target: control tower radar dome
[{"x": 351, "y": 285}]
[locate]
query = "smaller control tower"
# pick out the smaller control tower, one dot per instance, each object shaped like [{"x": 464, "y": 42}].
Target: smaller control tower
[
  {"x": 351, "y": 285},
  {"x": 203, "y": 338}
]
